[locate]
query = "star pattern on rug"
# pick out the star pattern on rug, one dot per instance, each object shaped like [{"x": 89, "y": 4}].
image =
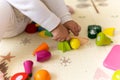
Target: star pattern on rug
[
  {"x": 25, "y": 41},
  {"x": 7, "y": 57}
]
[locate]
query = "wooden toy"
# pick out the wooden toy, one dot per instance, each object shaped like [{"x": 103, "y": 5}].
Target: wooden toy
[
  {"x": 75, "y": 43},
  {"x": 64, "y": 46},
  {"x": 102, "y": 39},
  {"x": 20, "y": 76},
  {"x": 43, "y": 55},
  {"x": 42, "y": 75},
  {"x": 116, "y": 75},
  {"x": 112, "y": 61},
  {"x": 28, "y": 65},
  {"x": 93, "y": 30},
  {"x": 109, "y": 31},
  {"x": 42, "y": 46}
]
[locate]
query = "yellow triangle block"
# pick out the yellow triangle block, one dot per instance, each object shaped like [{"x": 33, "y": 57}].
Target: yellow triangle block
[{"x": 109, "y": 31}]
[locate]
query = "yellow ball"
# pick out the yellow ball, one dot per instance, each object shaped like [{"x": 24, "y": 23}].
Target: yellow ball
[{"x": 75, "y": 43}]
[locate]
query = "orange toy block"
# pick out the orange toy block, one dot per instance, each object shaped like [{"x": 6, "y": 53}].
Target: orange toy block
[{"x": 42, "y": 46}]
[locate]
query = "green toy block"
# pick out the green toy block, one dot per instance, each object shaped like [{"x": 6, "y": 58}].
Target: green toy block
[
  {"x": 67, "y": 45},
  {"x": 47, "y": 33},
  {"x": 61, "y": 46},
  {"x": 64, "y": 46}
]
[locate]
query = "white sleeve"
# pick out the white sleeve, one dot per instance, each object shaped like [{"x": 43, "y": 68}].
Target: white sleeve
[
  {"x": 59, "y": 8},
  {"x": 37, "y": 11}
]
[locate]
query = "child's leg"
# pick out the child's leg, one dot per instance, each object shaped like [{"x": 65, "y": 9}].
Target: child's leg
[{"x": 10, "y": 23}]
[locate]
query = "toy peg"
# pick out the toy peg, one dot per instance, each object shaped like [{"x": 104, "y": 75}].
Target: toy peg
[{"x": 28, "y": 65}]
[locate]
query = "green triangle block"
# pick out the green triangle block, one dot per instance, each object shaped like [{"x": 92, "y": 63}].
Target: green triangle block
[
  {"x": 67, "y": 46},
  {"x": 61, "y": 46},
  {"x": 64, "y": 46},
  {"x": 47, "y": 33}
]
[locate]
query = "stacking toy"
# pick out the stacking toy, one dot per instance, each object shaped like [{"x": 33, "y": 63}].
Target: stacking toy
[
  {"x": 93, "y": 30},
  {"x": 20, "y": 76},
  {"x": 42, "y": 75},
  {"x": 102, "y": 39},
  {"x": 28, "y": 65},
  {"x": 43, "y": 55},
  {"x": 75, "y": 43},
  {"x": 116, "y": 75},
  {"x": 64, "y": 46},
  {"x": 42, "y": 46}
]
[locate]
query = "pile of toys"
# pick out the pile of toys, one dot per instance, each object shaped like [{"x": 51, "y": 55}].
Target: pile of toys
[{"x": 102, "y": 36}]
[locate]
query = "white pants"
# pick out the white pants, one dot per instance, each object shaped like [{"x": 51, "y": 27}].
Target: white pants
[{"x": 12, "y": 22}]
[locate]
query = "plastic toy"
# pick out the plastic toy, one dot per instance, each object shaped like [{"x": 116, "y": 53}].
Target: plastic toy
[
  {"x": 93, "y": 30},
  {"x": 64, "y": 46},
  {"x": 102, "y": 39},
  {"x": 42, "y": 34},
  {"x": 75, "y": 43},
  {"x": 45, "y": 33},
  {"x": 31, "y": 28},
  {"x": 112, "y": 61},
  {"x": 43, "y": 55},
  {"x": 28, "y": 65},
  {"x": 116, "y": 75},
  {"x": 42, "y": 75},
  {"x": 42, "y": 46},
  {"x": 20, "y": 76},
  {"x": 109, "y": 31}
]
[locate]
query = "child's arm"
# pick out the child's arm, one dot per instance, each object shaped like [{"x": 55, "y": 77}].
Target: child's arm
[
  {"x": 59, "y": 8},
  {"x": 37, "y": 12}
]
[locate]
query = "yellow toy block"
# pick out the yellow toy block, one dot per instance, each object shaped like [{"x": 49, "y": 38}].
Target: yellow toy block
[
  {"x": 109, "y": 31},
  {"x": 42, "y": 34},
  {"x": 37, "y": 25}
]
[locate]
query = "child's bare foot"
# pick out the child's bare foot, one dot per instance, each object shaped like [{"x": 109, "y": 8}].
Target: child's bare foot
[
  {"x": 73, "y": 27},
  {"x": 60, "y": 33},
  {"x": 70, "y": 9}
]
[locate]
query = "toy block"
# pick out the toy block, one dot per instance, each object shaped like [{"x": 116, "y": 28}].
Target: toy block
[
  {"x": 109, "y": 31},
  {"x": 64, "y": 46},
  {"x": 42, "y": 46},
  {"x": 93, "y": 30}
]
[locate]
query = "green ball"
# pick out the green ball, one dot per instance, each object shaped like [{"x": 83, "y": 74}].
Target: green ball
[{"x": 116, "y": 75}]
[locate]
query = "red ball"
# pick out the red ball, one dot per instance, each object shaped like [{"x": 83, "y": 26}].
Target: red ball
[{"x": 31, "y": 28}]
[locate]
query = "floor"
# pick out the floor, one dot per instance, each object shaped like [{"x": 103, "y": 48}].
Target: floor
[{"x": 85, "y": 63}]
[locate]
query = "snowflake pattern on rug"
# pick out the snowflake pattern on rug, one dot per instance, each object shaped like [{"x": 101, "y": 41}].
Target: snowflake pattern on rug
[{"x": 65, "y": 61}]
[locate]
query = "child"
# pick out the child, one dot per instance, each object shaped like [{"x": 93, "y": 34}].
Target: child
[{"x": 53, "y": 15}]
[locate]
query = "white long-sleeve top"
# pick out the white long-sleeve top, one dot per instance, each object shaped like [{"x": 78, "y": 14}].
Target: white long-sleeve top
[{"x": 47, "y": 13}]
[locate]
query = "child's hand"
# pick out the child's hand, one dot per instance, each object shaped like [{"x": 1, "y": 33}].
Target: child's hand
[
  {"x": 60, "y": 33},
  {"x": 73, "y": 26}
]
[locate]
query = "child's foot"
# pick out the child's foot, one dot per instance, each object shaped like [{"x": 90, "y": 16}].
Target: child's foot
[
  {"x": 70, "y": 9},
  {"x": 60, "y": 33},
  {"x": 73, "y": 27}
]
